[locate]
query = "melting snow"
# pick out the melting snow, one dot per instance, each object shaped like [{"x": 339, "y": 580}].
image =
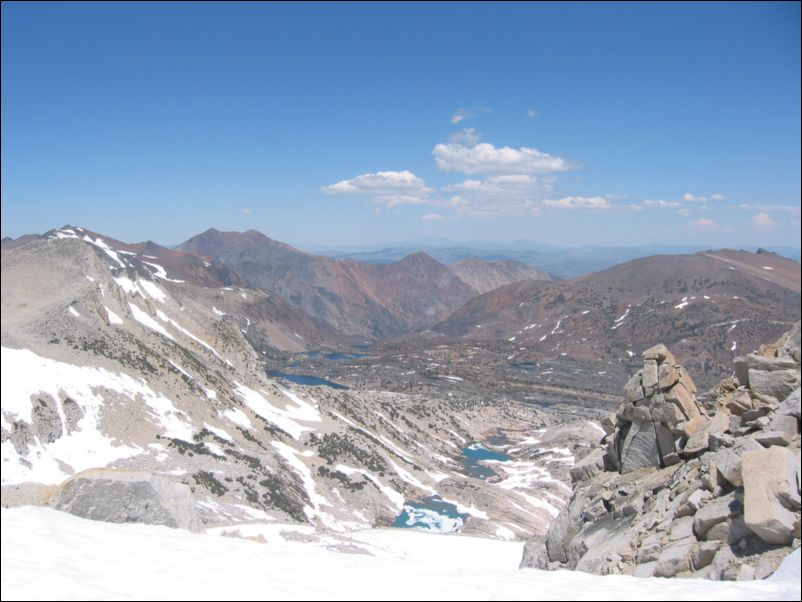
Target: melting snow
[
  {"x": 113, "y": 318},
  {"x": 282, "y": 418},
  {"x": 25, "y": 374},
  {"x": 144, "y": 319}
]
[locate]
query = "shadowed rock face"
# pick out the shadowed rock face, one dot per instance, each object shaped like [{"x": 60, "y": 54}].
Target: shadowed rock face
[
  {"x": 690, "y": 489},
  {"x": 119, "y": 496}
]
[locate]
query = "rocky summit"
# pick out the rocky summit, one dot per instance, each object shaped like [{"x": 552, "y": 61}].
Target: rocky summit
[{"x": 689, "y": 486}]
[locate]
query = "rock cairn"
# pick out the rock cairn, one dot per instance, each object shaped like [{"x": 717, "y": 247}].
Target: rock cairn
[{"x": 685, "y": 486}]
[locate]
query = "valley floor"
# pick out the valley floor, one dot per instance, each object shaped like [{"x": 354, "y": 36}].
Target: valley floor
[{"x": 51, "y": 555}]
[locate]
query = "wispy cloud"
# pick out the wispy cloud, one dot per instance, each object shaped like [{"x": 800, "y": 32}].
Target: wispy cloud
[
  {"x": 388, "y": 188},
  {"x": 433, "y": 217},
  {"x": 693, "y": 198},
  {"x": 462, "y": 114},
  {"x": 465, "y": 137},
  {"x": 763, "y": 222},
  {"x": 245, "y": 210},
  {"x": 593, "y": 203},
  {"x": 709, "y": 225},
  {"x": 765, "y": 207},
  {"x": 660, "y": 204},
  {"x": 532, "y": 113},
  {"x": 484, "y": 158}
]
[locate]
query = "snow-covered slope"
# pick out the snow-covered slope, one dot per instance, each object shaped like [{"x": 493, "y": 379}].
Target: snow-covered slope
[{"x": 51, "y": 555}]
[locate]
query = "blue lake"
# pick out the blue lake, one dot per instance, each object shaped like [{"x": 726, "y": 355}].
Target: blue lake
[
  {"x": 472, "y": 457},
  {"x": 432, "y": 514},
  {"x": 303, "y": 379},
  {"x": 337, "y": 356}
]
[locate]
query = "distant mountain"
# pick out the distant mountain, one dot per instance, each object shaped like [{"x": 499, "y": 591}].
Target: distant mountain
[
  {"x": 375, "y": 300},
  {"x": 484, "y": 276},
  {"x": 559, "y": 262},
  {"x": 707, "y": 307}
]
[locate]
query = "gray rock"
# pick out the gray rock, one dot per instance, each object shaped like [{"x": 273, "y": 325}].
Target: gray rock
[
  {"x": 739, "y": 403},
  {"x": 741, "y": 371},
  {"x": 660, "y": 354},
  {"x": 702, "y": 553},
  {"x": 698, "y": 443},
  {"x": 650, "y": 376},
  {"x": 770, "y": 438},
  {"x": 589, "y": 466},
  {"x": 770, "y": 364},
  {"x": 776, "y": 383},
  {"x": 791, "y": 405},
  {"x": 646, "y": 569},
  {"x": 649, "y": 549},
  {"x": 667, "y": 375},
  {"x": 534, "y": 555},
  {"x": 676, "y": 558},
  {"x": 633, "y": 390},
  {"x": 721, "y": 561},
  {"x": 784, "y": 423},
  {"x": 769, "y": 480},
  {"x": 731, "y": 531},
  {"x": 640, "y": 448},
  {"x": 715, "y": 512},
  {"x": 681, "y": 529},
  {"x": 120, "y": 496},
  {"x": 609, "y": 424}
]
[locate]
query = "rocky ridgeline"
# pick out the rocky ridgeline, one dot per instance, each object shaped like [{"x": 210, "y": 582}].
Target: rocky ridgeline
[{"x": 687, "y": 487}]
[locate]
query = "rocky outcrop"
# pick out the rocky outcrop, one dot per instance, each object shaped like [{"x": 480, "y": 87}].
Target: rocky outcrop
[
  {"x": 685, "y": 486},
  {"x": 660, "y": 415},
  {"x": 121, "y": 496}
]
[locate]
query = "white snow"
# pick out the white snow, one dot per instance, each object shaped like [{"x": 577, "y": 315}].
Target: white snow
[
  {"x": 217, "y": 312},
  {"x": 766, "y": 267},
  {"x": 447, "y": 377},
  {"x": 99, "y": 242},
  {"x": 239, "y": 417},
  {"x": 48, "y": 554},
  {"x": 218, "y": 431},
  {"x": 734, "y": 346},
  {"x": 159, "y": 271},
  {"x": 317, "y": 500},
  {"x": 148, "y": 322},
  {"x": 586, "y": 312},
  {"x": 682, "y": 305},
  {"x": 284, "y": 418},
  {"x": 25, "y": 374},
  {"x": 153, "y": 290},
  {"x": 113, "y": 318},
  {"x": 74, "y": 312}
]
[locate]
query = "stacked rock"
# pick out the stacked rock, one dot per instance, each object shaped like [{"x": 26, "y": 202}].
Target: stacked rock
[{"x": 660, "y": 416}]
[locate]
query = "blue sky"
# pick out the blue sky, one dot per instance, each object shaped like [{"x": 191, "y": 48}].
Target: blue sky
[{"x": 337, "y": 124}]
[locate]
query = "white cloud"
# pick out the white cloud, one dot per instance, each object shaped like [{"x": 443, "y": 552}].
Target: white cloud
[
  {"x": 246, "y": 210},
  {"x": 484, "y": 158},
  {"x": 388, "y": 188},
  {"x": 498, "y": 195},
  {"x": 789, "y": 209},
  {"x": 433, "y": 217},
  {"x": 709, "y": 225},
  {"x": 684, "y": 213},
  {"x": 660, "y": 204},
  {"x": 763, "y": 222},
  {"x": 463, "y": 114},
  {"x": 692, "y": 198},
  {"x": 593, "y": 203},
  {"x": 466, "y": 137},
  {"x": 532, "y": 113}
]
